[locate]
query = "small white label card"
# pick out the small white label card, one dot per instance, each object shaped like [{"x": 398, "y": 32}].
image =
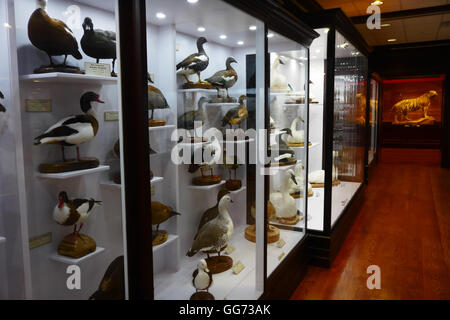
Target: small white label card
[
  {"x": 111, "y": 116},
  {"x": 230, "y": 248},
  {"x": 281, "y": 243},
  {"x": 97, "y": 69},
  {"x": 238, "y": 267},
  {"x": 281, "y": 256},
  {"x": 38, "y": 105}
]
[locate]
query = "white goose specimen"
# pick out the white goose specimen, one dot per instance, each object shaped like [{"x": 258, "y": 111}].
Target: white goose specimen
[
  {"x": 277, "y": 80},
  {"x": 296, "y": 136},
  {"x": 299, "y": 186},
  {"x": 215, "y": 234},
  {"x": 283, "y": 202},
  {"x": 74, "y": 130}
]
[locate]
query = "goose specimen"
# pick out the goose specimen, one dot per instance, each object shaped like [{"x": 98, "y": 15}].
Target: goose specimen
[
  {"x": 50, "y": 35},
  {"x": 112, "y": 286},
  {"x": 99, "y": 44},
  {"x": 156, "y": 100},
  {"x": 213, "y": 212},
  {"x": 236, "y": 115},
  {"x": 74, "y": 130},
  {"x": 296, "y": 136},
  {"x": 215, "y": 234},
  {"x": 73, "y": 212},
  {"x": 283, "y": 202},
  {"x": 297, "y": 189},
  {"x": 161, "y": 213},
  {"x": 2, "y": 108},
  {"x": 285, "y": 154},
  {"x": 212, "y": 151},
  {"x": 277, "y": 80},
  {"x": 202, "y": 277},
  {"x": 195, "y": 63},
  {"x": 224, "y": 79}
]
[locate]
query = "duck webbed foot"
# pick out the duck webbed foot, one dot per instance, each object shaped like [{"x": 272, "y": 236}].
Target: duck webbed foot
[
  {"x": 187, "y": 79},
  {"x": 113, "y": 73}
]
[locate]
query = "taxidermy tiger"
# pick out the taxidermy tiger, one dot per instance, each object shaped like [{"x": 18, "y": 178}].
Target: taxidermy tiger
[{"x": 402, "y": 108}]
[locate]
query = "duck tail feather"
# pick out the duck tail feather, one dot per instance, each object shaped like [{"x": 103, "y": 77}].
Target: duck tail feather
[
  {"x": 77, "y": 55},
  {"x": 191, "y": 253}
]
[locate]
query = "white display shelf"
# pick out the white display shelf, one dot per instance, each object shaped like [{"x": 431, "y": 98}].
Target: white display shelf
[
  {"x": 222, "y": 104},
  {"x": 116, "y": 186},
  {"x": 166, "y": 127},
  {"x": 239, "y": 190},
  {"x": 313, "y": 144},
  {"x": 72, "y": 174},
  {"x": 169, "y": 241},
  {"x": 60, "y": 77},
  {"x": 238, "y": 141},
  {"x": 67, "y": 260},
  {"x": 192, "y": 187},
  {"x": 293, "y": 104},
  {"x": 2, "y": 240},
  {"x": 197, "y": 90}
]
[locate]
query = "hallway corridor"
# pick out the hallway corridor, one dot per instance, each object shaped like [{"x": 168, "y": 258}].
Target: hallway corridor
[{"x": 404, "y": 228}]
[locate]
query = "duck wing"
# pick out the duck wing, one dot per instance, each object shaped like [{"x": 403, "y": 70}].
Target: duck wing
[
  {"x": 209, "y": 236},
  {"x": 192, "y": 60},
  {"x": 207, "y": 216},
  {"x": 107, "y": 35},
  {"x": 2, "y": 108},
  {"x": 231, "y": 114},
  {"x": 58, "y": 134}
]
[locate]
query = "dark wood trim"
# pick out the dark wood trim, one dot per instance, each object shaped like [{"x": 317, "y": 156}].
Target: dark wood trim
[
  {"x": 367, "y": 133},
  {"x": 135, "y": 141},
  {"x": 403, "y": 14},
  {"x": 445, "y": 140},
  {"x": 306, "y": 5}
]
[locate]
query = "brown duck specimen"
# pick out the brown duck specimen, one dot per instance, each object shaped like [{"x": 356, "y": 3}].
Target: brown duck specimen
[
  {"x": 213, "y": 212},
  {"x": 161, "y": 213},
  {"x": 51, "y": 35},
  {"x": 236, "y": 115},
  {"x": 224, "y": 79},
  {"x": 112, "y": 286},
  {"x": 156, "y": 99}
]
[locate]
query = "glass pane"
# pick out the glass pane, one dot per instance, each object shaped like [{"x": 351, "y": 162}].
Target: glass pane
[
  {"x": 349, "y": 123},
  {"x": 373, "y": 119},
  {"x": 288, "y": 112},
  {"x": 316, "y": 108},
  {"x": 72, "y": 200},
  {"x": 213, "y": 90}
]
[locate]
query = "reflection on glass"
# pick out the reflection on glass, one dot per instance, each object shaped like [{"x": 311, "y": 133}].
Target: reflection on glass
[{"x": 374, "y": 94}]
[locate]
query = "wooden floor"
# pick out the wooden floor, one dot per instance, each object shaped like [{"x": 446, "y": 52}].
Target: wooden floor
[{"x": 404, "y": 228}]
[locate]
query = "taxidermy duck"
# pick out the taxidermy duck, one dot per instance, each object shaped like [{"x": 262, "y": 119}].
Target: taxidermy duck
[
  {"x": 50, "y": 35},
  {"x": 2, "y": 108},
  {"x": 73, "y": 212},
  {"x": 297, "y": 188},
  {"x": 74, "y": 130},
  {"x": 215, "y": 234},
  {"x": 195, "y": 63},
  {"x": 213, "y": 212},
  {"x": 318, "y": 177},
  {"x": 188, "y": 119},
  {"x": 99, "y": 44},
  {"x": 112, "y": 286},
  {"x": 296, "y": 136},
  {"x": 278, "y": 80},
  {"x": 156, "y": 100},
  {"x": 285, "y": 154},
  {"x": 212, "y": 150},
  {"x": 283, "y": 202},
  {"x": 224, "y": 79},
  {"x": 161, "y": 213},
  {"x": 236, "y": 115},
  {"x": 202, "y": 277}
]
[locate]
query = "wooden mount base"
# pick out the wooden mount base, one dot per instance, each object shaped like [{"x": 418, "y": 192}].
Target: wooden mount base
[
  {"x": 223, "y": 100},
  {"x": 159, "y": 237},
  {"x": 58, "y": 68},
  {"x": 76, "y": 246},
  {"x": 298, "y": 195},
  {"x": 273, "y": 234},
  {"x": 197, "y": 85},
  {"x": 71, "y": 165},
  {"x": 300, "y": 144},
  {"x": 322, "y": 185},
  {"x": 288, "y": 221},
  {"x": 206, "y": 180},
  {"x": 202, "y": 295},
  {"x": 233, "y": 185},
  {"x": 219, "y": 264},
  {"x": 156, "y": 123}
]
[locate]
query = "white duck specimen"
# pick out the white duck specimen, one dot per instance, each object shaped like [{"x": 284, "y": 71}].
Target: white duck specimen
[
  {"x": 277, "y": 80},
  {"x": 72, "y": 212},
  {"x": 205, "y": 157},
  {"x": 283, "y": 202},
  {"x": 215, "y": 234},
  {"x": 74, "y": 130},
  {"x": 202, "y": 277},
  {"x": 299, "y": 186},
  {"x": 318, "y": 177},
  {"x": 296, "y": 136}
]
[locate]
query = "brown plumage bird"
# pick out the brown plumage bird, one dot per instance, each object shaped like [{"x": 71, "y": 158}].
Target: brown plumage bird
[
  {"x": 224, "y": 79},
  {"x": 213, "y": 212},
  {"x": 236, "y": 115},
  {"x": 156, "y": 99},
  {"x": 112, "y": 286},
  {"x": 52, "y": 36},
  {"x": 161, "y": 213}
]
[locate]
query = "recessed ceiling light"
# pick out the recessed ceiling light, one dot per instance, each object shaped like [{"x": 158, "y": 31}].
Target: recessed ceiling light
[
  {"x": 192, "y": 1},
  {"x": 201, "y": 29},
  {"x": 386, "y": 25},
  {"x": 223, "y": 36},
  {"x": 253, "y": 28},
  {"x": 326, "y": 30},
  {"x": 270, "y": 35},
  {"x": 160, "y": 15},
  {"x": 392, "y": 40},
  {"x": 377, "y": 3},
  {"x": 240, "y": 43}
]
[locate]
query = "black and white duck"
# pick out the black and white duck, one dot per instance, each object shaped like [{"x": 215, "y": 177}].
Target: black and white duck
[
  {"x": 224, "y": 79},
  {"x": 195, "y": 63},
  {"x": 74, "y": 130},
  {"x": 2, "y": 108},
  {"x": 99, "y": 44},
  {"x": 50, "y": 35}
]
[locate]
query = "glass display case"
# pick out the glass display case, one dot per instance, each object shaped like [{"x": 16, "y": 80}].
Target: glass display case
[
  {"x": 373, "y": 120},
  {"x": 338, "y": 86},
  {"x": 134, "y": 144}
]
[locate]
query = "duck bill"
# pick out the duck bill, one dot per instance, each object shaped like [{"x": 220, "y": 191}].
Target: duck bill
[{"x": 99, "y": 101}]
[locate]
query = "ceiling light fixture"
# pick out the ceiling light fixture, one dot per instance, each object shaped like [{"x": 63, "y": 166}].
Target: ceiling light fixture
[
  {"x": 201, "y": 29},
  {"x": 385, "y": 25},
  {"x": 392, "y": 40},
  {"x": 160, "y": 15},
  {"x": 253, "y": 28},
  {"x": 377, "y": 3},
  {"x": 270, "y": 35},
  {"x": 223, "y": 36},
  {"x": 240, "y": 43},
  {"x": 192, "y": 1},
  {"x": 326, "y": 30}
]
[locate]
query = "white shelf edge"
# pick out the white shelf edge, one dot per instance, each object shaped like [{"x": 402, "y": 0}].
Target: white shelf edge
[
  {"x": 169, "y": 126},
  {"x": 192, "y": 187},
  {"x": 238, "y": 141},
  {"x": 170, "y": 239},
  {"x": 72, "y": 174},
  {"x": 222, "y": 104},
  {"x": 2, "y": 240},
  {"x": 197, "y": 90},
  {"x": 239, "y": 190},
  {"x": 55, "y": 76},
  {"x": 313, "y": 144},
  {"x": 67, "y": 260},
  {"x": 113, "y": 185}
]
